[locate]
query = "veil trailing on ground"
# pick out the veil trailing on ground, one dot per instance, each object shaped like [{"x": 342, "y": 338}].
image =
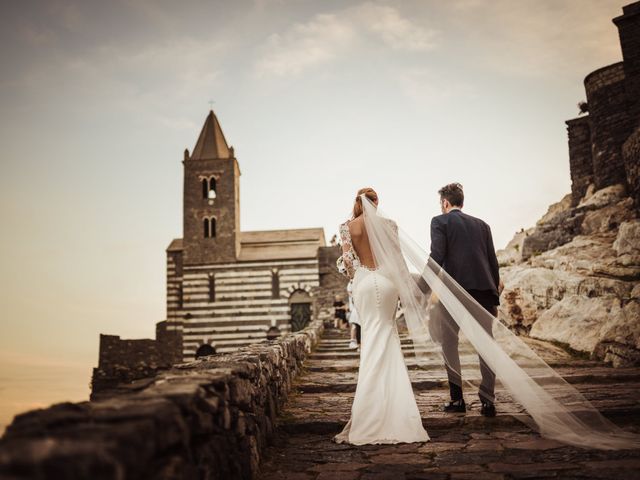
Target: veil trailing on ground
[{"x": 435, "y": 307}]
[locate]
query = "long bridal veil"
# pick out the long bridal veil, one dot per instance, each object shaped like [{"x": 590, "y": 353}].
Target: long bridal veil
[{"x": 436, "y": 307}]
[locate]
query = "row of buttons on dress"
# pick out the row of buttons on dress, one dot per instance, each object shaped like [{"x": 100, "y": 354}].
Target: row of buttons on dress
[{"x": 375, "y": 283}]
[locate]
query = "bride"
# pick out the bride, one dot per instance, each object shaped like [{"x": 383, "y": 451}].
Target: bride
[
  {"x": 386, "y": 266},
  {"x": 384, "y": 409}
]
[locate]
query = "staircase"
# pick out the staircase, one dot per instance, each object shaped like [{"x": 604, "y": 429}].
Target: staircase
[{"x": 462, "y": 445}]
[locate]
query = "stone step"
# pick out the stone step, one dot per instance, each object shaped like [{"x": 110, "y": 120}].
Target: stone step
[
  {"x": 321, "y": 411},
  {"x": 465, "y": 445},
  {"x": 317, "y": 381},
  {"x": 352, "y": 354}
]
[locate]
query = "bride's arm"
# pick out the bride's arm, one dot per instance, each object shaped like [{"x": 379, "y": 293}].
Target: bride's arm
[{"x": 345, "y": 261}]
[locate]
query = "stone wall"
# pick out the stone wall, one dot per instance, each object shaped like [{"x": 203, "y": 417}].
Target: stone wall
[
  {"x": 580, "y": 160},
  {"x": 629, "y": 31},
  {"x": 207, "y": 419},
  {"x": 610, "y": 125},
  {"x": 125, "y": 360}
]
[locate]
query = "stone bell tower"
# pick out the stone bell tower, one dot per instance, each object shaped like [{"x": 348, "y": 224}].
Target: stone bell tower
[{"x": 211, "y": 216}]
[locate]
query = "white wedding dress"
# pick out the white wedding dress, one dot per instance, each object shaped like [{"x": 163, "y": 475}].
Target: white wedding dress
[{"x": 384, "y": 408}]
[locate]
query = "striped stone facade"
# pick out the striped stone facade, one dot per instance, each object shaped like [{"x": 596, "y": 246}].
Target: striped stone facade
[{"x": 242, "y": 308}]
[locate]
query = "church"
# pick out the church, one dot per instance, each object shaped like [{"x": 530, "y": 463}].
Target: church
[{"x": 225, "y": 288}]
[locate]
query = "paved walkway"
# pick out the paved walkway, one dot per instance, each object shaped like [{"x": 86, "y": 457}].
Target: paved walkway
[{"x": 463, "y": 446}]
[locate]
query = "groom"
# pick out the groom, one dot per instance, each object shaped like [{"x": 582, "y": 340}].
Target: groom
[{"x": 462, "y": 245}]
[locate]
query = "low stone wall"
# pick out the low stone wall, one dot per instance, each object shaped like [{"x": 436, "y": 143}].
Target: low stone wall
[{"x": 206, "y": 419}]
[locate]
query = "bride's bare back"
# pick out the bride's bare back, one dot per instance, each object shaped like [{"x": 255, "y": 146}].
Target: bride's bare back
[{"x": 360, "y": 241}]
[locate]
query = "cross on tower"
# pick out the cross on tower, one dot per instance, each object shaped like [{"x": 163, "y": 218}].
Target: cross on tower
[{"x": 211, "y": 102}]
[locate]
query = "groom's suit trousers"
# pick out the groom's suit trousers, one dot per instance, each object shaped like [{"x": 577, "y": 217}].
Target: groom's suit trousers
[{"x": 449, "y": 337}]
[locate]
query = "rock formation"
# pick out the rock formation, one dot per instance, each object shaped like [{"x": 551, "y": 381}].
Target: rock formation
[
  {"x": 574, "y": 277},
  {"x": 585, "y": 290}
]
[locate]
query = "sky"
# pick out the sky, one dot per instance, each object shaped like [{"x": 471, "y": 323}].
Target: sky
[{"x": 100, "y": 99}]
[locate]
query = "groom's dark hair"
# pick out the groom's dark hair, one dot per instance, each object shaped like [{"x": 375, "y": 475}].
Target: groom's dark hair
[{"x": 453, "y": 193}]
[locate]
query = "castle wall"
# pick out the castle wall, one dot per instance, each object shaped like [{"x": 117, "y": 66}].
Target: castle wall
[
  {"x": 169, "y": 341},
  {"x": 580, "y": 160},
  {"x": 610, "y": 125},
  {"x": 629, "y": 31}
]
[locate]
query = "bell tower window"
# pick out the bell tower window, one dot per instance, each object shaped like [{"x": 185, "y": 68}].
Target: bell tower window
[
  {"x": 209, "y": 186},
  {"x": 211, "y": 192}
]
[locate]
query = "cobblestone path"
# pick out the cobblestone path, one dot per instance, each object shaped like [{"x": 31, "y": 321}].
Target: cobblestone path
[{"x": 463, "y": 446}]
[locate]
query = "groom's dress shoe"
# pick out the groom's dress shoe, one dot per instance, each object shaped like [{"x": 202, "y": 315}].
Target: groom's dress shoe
[
  {"x": 488, "y": 409},
  {"x": 457, "y": 406}
]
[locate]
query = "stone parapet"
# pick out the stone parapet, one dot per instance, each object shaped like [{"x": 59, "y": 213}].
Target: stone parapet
[{"x": 210, "y": 418}]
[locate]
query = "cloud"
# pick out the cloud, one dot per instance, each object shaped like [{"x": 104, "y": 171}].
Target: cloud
[
  {"x": 329, "y": 36},
  {"x": 306, "y": 45},
  {"x": 153, "y": 78},
  {"x": 541, "y": 38},
  {"x": 393, "y": 29},
  {"x": 428, "y": 86}
]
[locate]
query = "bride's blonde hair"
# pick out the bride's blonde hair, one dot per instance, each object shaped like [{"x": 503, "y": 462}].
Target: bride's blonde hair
[{"x": 368, "y": 192}]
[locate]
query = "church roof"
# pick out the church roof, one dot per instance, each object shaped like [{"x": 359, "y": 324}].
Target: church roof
[
  {"x": 211, "y": 142},
  {"x": 281, "y": 244},
  {"x": 300, "y": 243},
  {"x": 175, "y": 245}
]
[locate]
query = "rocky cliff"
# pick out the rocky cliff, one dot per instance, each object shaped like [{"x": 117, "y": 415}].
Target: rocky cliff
[{"x": 574, "y": 277}]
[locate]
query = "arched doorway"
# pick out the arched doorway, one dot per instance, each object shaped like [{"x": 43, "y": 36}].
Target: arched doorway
[
  {"x": 300, "y": 306},
  {"x": 204, "y": 350}
]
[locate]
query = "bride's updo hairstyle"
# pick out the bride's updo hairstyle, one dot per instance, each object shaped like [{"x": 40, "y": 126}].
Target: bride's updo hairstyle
[{"x": 368, "y": 192}]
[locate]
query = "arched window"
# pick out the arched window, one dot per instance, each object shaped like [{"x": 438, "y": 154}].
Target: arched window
[
  {"x": 275, "y": 283},
  {"x": 206, "y": 227},
  {"x": 209, "y": 188},
  {"x": 212, "y": 287}
]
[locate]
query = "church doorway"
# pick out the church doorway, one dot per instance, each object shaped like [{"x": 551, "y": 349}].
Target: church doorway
[{"x": 300, "y": 306}]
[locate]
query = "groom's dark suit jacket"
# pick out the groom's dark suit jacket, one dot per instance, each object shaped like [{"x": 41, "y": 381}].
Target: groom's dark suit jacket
[{"x": 463, "y": 246}]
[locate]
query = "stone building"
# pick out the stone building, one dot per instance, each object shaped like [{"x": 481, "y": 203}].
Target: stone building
[
  {"x": 225, "y": 288},
  {"x": 598, "y": 152}
]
